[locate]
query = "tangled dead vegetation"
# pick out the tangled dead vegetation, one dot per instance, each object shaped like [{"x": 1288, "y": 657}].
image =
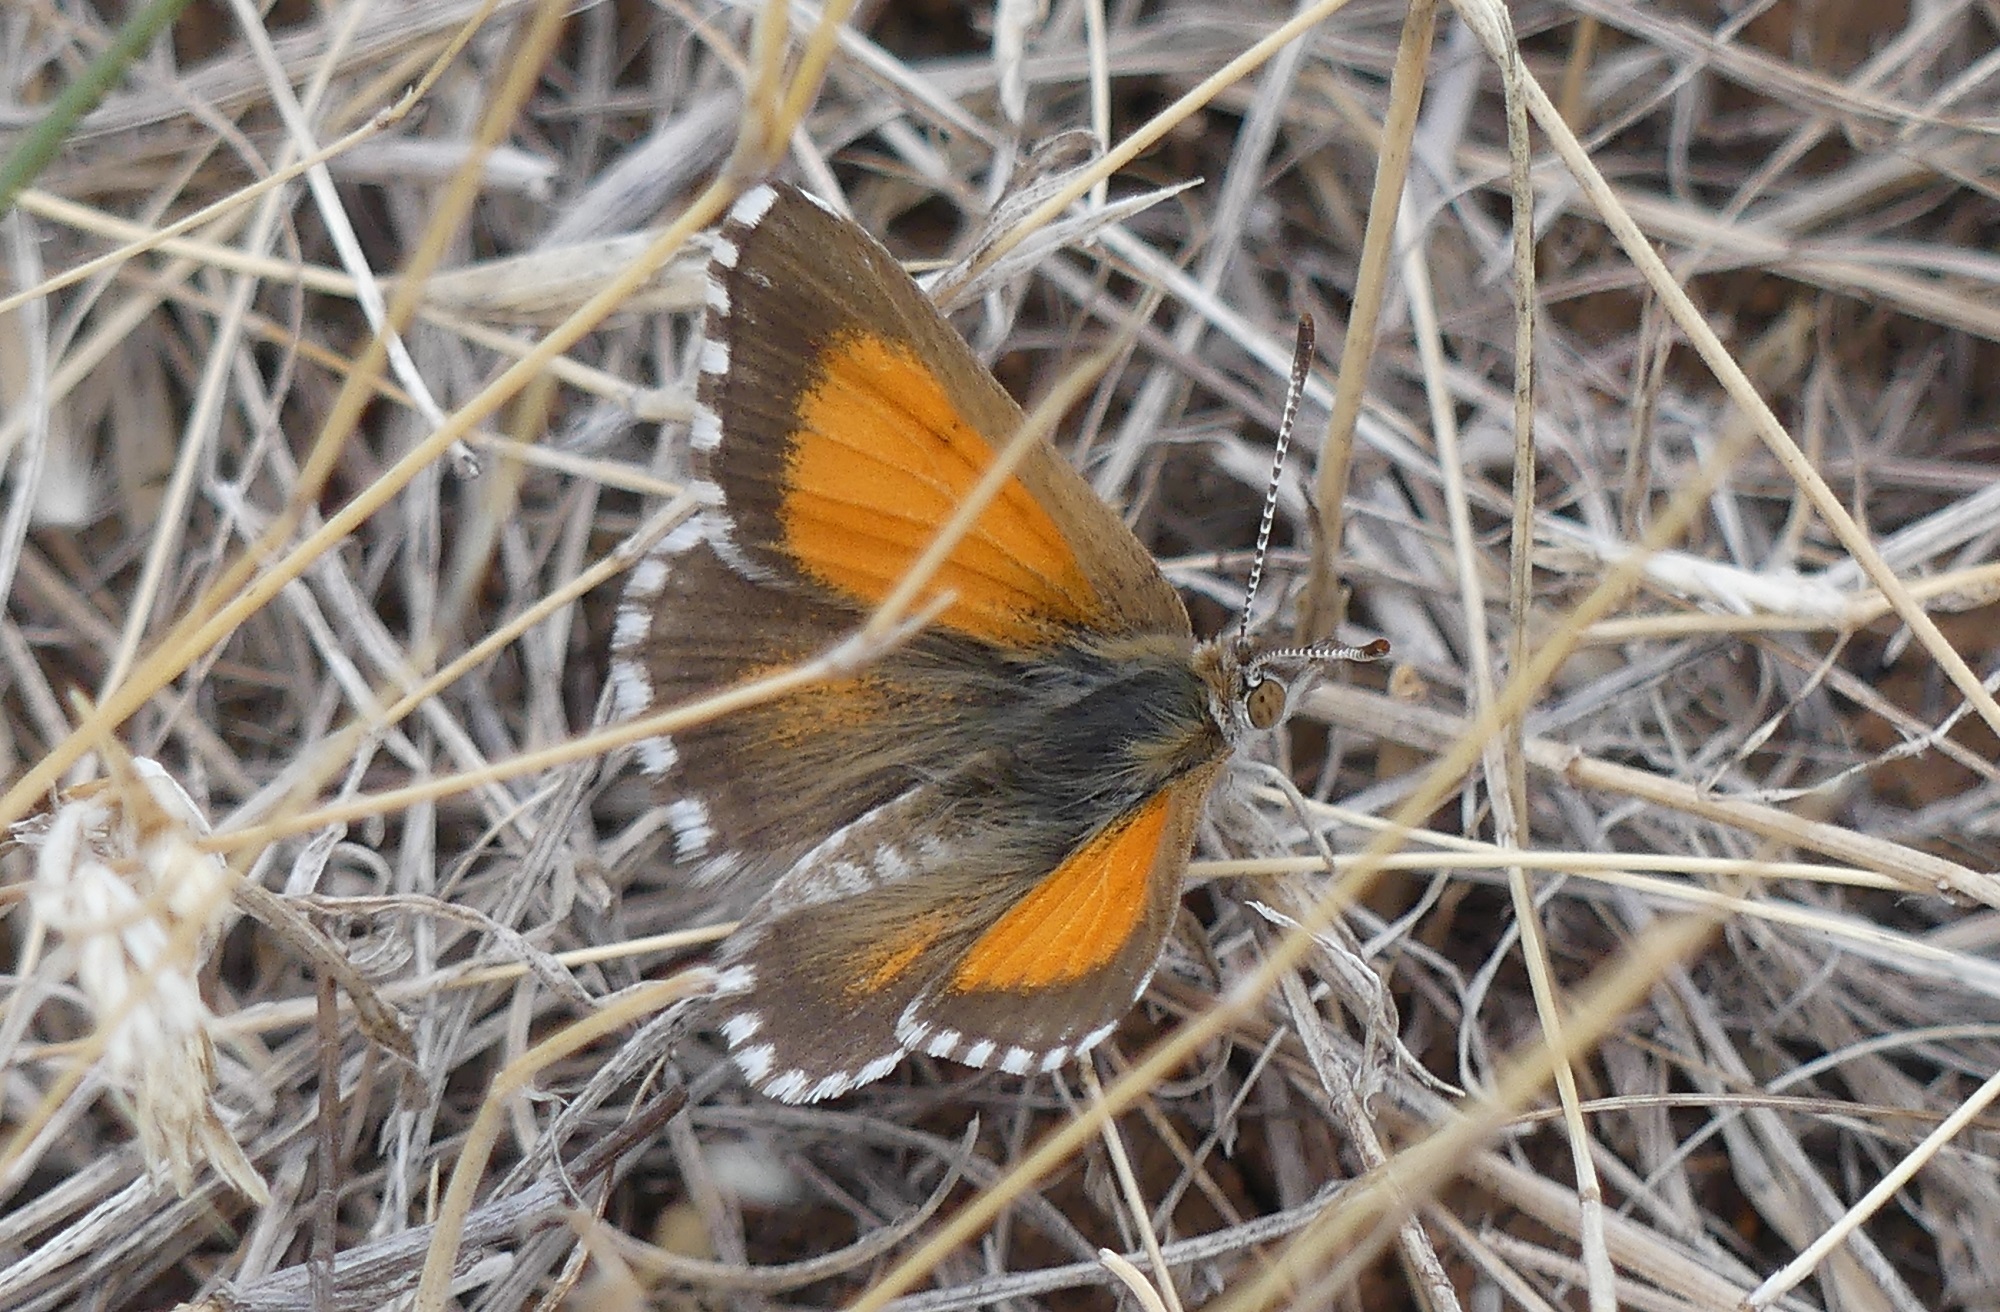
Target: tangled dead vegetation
[{"x": 1648, "y": 882}]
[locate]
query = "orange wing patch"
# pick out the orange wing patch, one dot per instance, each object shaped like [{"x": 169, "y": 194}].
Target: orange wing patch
[
  {"x": 879, "y": 461},
  {"x": 1079, "y": 917},
  {"x": 899, "y": 951}
]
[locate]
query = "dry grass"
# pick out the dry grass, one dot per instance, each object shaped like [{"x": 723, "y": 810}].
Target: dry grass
[{"x": 1678, "y": 986}]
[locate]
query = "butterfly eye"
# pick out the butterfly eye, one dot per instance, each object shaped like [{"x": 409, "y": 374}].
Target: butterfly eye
[{"x": 1264, "y": 702}]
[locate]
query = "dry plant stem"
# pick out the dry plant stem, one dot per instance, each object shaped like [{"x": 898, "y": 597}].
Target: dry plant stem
[
  {"x": 1727, "y": 372},
  {"x": 1878, "y": 1196},
  {"x": 150, "y": 239},
  {"x": 1507, "y": 771},
  {"x": 40, "y": 145},
  {"x": 1779, "y": 1174},
  {"x": 614, "y": 563},
  {"x": 1355, "y": 1229},
  {"x": 326, "y": 1152},
  {"x": 1417, "y": 1250},
  {"x": 341, "y": 745},
  {"x": 1905, "y": 953},
  {"x": 1952, "y": 589},
  {"x": 1918, "y": 736},
  {"x": 1487, "y": 1258},
  {"x": 1157, "y": 127},
  {"x": 203, "y": 628},
  {"x": 1241, "y": 185},
  {"x": 635, "y": 1004},
  {"x": 1843, "y": 101},
  {"x": 199, "y": 251},
  {"x": 1520, "y": 597},
  {"x": 1164, "y": 1292},
  {"x": 377, "y": 1273},
  {"x": 231, "y": 88},
  {"x": 204, "y": 419},
  {"x": 1552, "y": 1265},
  {"x": 1501, "y": 763},
  {"x": 1576, "y": 69},
  {"x": 1096, "y": 40},
  {"x": 193, "y": 635},
  {"x": 1320, "y": 611},
  {"x": 30, "y": 339},
  {"x": 841, "y": 660},
  {"x": 479, "y": 540},
  {"x": 92, "y": 352},
  {"x": 319, "y": 181},
  {"x": 612, "y": 1285},
  {"x": 266, "y": 1017},
  {"x": 774, "y": 105},
  {"x": 43, "y": 708},
  {"x": 1454, "y": 853},
  {"x": 1135, "y": 1281},
  {"x": 1269, "y": 349},
  {"x": 667, "y": 402},
  {"x": 921, "y": 92},
  {"x": 1189, "y": 1160},
  {"x": 1918, "y": 871},
  {"x": 379, "y": 1020},
  {"x": 991, "y": 1292},
  {"x": 1438, "y": 783},
  {"x": 779, "y": 1278},
  {"x": 1638, "y": 1249}
]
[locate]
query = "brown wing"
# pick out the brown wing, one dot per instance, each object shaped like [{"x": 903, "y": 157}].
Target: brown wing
[
  {"x": 840, "y": 420},
  {"x": 899, "y": 936},
  {"x": 850, "y": 421}
]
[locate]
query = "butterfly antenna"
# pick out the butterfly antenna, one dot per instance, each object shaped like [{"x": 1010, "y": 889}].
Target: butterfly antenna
[{"x": 1301, "y": 367}]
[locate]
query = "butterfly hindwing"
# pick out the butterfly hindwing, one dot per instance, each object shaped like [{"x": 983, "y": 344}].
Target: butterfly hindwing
[
  {"x": 748, "y": 793},
  {"x": 905, "y": 934},
  {"x": 1048, "y": 979}
]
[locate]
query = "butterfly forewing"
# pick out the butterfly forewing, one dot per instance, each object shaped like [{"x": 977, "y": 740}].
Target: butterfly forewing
[{"x": 850, "y": 421}]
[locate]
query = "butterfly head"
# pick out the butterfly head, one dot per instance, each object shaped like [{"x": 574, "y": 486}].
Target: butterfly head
[{"x": 1254, "y": 688}]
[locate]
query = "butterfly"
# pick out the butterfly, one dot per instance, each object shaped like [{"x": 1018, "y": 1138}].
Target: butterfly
[{"x": 974, "y": 846}]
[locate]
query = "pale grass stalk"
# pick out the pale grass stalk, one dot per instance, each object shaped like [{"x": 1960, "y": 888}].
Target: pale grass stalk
[
  {"x": 1880, "y": 1195},
  {"x": 1134, "y": 1280},
  {"x": 1163, "y": 1295},
  {"x": 1321, "y": 611}
]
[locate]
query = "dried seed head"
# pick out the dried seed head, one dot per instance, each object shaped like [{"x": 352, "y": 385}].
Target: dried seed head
[{"x": 140, "y": 907}]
